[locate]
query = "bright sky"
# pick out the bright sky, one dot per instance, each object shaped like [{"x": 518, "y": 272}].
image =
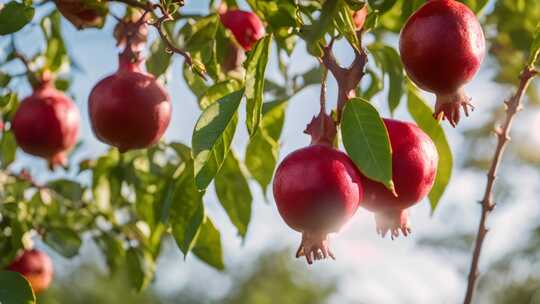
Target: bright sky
[{"x": 368, "y": 269}]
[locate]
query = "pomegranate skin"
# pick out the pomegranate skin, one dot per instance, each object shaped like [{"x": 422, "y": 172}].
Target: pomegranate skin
[
  {"x": 129, "y": 109},
  {"x": 246, "y": 27},
  {"x": 81, "y": 15},
  {"x": 47, "y": 124},
  {"x": 442, "y": 46},
  {"x": 36, "y": 267},
  {"x": 317, "y": 190},
  {"x": 414, "y": 168}
]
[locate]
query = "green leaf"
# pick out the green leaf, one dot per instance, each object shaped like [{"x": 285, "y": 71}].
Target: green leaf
[
  {"x": 212, "y": 137},
  {"x": 159, "y": 60},
  {"x": 64, "y": 241},
  {"x": 68, "y": 189},
  {"x": 346, "y": 27},
  {"x": 382, "y": 5},
  {"x": 8, "y": 148},
  {"x": 375, "y": 85},
  {"x": 187, "y": 210},
  {"x": 422, "y": 114},
  {"x": 535, "y": 47},
  {"x": 4, "y": 80},
  {"x": 366, "y": 140},
  {"x": 321, "y": 26},
  {"x": 15, "y": 289},
  {"x": 255, "y": 68},
  {"x": 388, "y": 59},
  {"x": 233, "y": 192},
  {"x": 14, "y": 16},
  {"x": 56, "y": 55},
  {"x": 218, "y": 91},
  {"x": 208, "y": 246},
  {"x": 262, "y": 151},
  {"x": 195, "y": 83},
  {"x": 140, "y": 267},
  {"x": 113, "y": 250}
]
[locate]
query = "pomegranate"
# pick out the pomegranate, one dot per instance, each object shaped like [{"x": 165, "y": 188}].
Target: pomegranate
[
  {"x": 36, "y": 267},
  {"x": 359, "y": 17},
  {"x": 317, "y": 190},
  {"x": 442, "y": 46},
  {"x": 246, "y": 27},
  {"x": 81, "y": 13},
  {"x": 46, "y": 124},
  {"x": 129, "y": 109},
  {"x": 414, "y": 167}
]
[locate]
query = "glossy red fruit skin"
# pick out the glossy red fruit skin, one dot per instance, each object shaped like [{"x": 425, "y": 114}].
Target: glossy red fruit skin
[
  {"x": 414, "y": 168},
  {"x": 442, "y": 46},
  {"x": 36, "y": 267},
  {"x": 81, "y": 15},
  {"x": 129, "y": 109},
  {"x": 246, "y": 27},
  {"x": 46, "y": 124},
  {"x": 317, "y": 188}
]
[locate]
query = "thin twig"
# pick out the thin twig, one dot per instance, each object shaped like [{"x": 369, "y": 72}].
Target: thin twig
[
  {"x": 513, "y": 106},
  {"x": 323, "y": 89},
  {"x": 148, "y": 7}
]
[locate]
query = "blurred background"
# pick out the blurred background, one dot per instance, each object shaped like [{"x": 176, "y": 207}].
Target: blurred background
[{"x": 429, "y": 266}]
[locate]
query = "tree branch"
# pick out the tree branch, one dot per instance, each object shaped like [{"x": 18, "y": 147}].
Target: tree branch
[
  {"x": 347, "y": 78},
  {"x": 513, "y": 106}
]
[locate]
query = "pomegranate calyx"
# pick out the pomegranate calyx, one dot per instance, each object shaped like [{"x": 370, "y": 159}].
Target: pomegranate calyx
[
  {"x": 322, "y": 129},
  {"x": 393, "y": 221},
  {"x": 59, "y": 159},
  {"x": 314, "y": 246},
  {"x": 129, "y": 61},
  {"x": 449, "y": 106}
]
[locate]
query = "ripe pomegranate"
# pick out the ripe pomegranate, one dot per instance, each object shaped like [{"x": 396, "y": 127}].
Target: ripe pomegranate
[
  {"x": 129, "y": 109},
  {"x": 82, "y": 14},
  {"x": 442, "y": 46},
  {"x": 36, "y": 267},
  {"x": 414, "y": 167},
  {"x": 47, "y": 124},
  {"x": 359, "y": 17},
  {"x": 246, "y": 27},
  {"x": 317, "y": 190}
]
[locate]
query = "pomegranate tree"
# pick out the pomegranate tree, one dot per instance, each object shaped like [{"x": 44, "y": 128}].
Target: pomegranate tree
[
  {"x": 246, "y": 27},
  {"x": 414, "y": 167},
  {"x": 36, "y": 267},
  {"x": 129, "y": 109},
  {"x": 317, "y": 190},
  {"x": 442, "y": 46},
  {"x": 47, "y": 124}
]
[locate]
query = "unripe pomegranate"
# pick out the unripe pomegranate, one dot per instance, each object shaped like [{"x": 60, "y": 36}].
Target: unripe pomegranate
[
  {"x": 246, "y": 27},
  {"x": 317, "y": 190},
  {"x": 359, "y": 17},
  {"x": 82, "y": 14},
  {"x": 442, "y": 46},
  {"x": 129, "y": 109},
  {"x": 46, "y": 124},
  {"x": 36, "y": 267},
  {"x": 414, "y": 167}
]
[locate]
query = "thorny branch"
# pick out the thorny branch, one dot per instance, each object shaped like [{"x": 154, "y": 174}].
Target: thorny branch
[
  {"x": 513, "y": 105},
  {"x": 148, "y": 7},
  {"x": 347, "y": 78}
]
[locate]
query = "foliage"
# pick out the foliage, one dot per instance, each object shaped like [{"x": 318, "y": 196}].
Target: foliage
[{"x": 133, "y": 201}]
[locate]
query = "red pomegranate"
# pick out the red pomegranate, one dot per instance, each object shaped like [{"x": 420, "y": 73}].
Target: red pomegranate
[
  {"x": 129, "y": 109},
  {"x": 82, "y": 14},
  {"x": 359, "y": 17},
  {"x": 36, "y": 267},
  {"x": 46, "y": 124},
  {"x": 317, "y": 190},
  {"x": 414, "y": 167},
  {"x": 246, "y": 27},
  {"x": 442, "y": 46}
]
